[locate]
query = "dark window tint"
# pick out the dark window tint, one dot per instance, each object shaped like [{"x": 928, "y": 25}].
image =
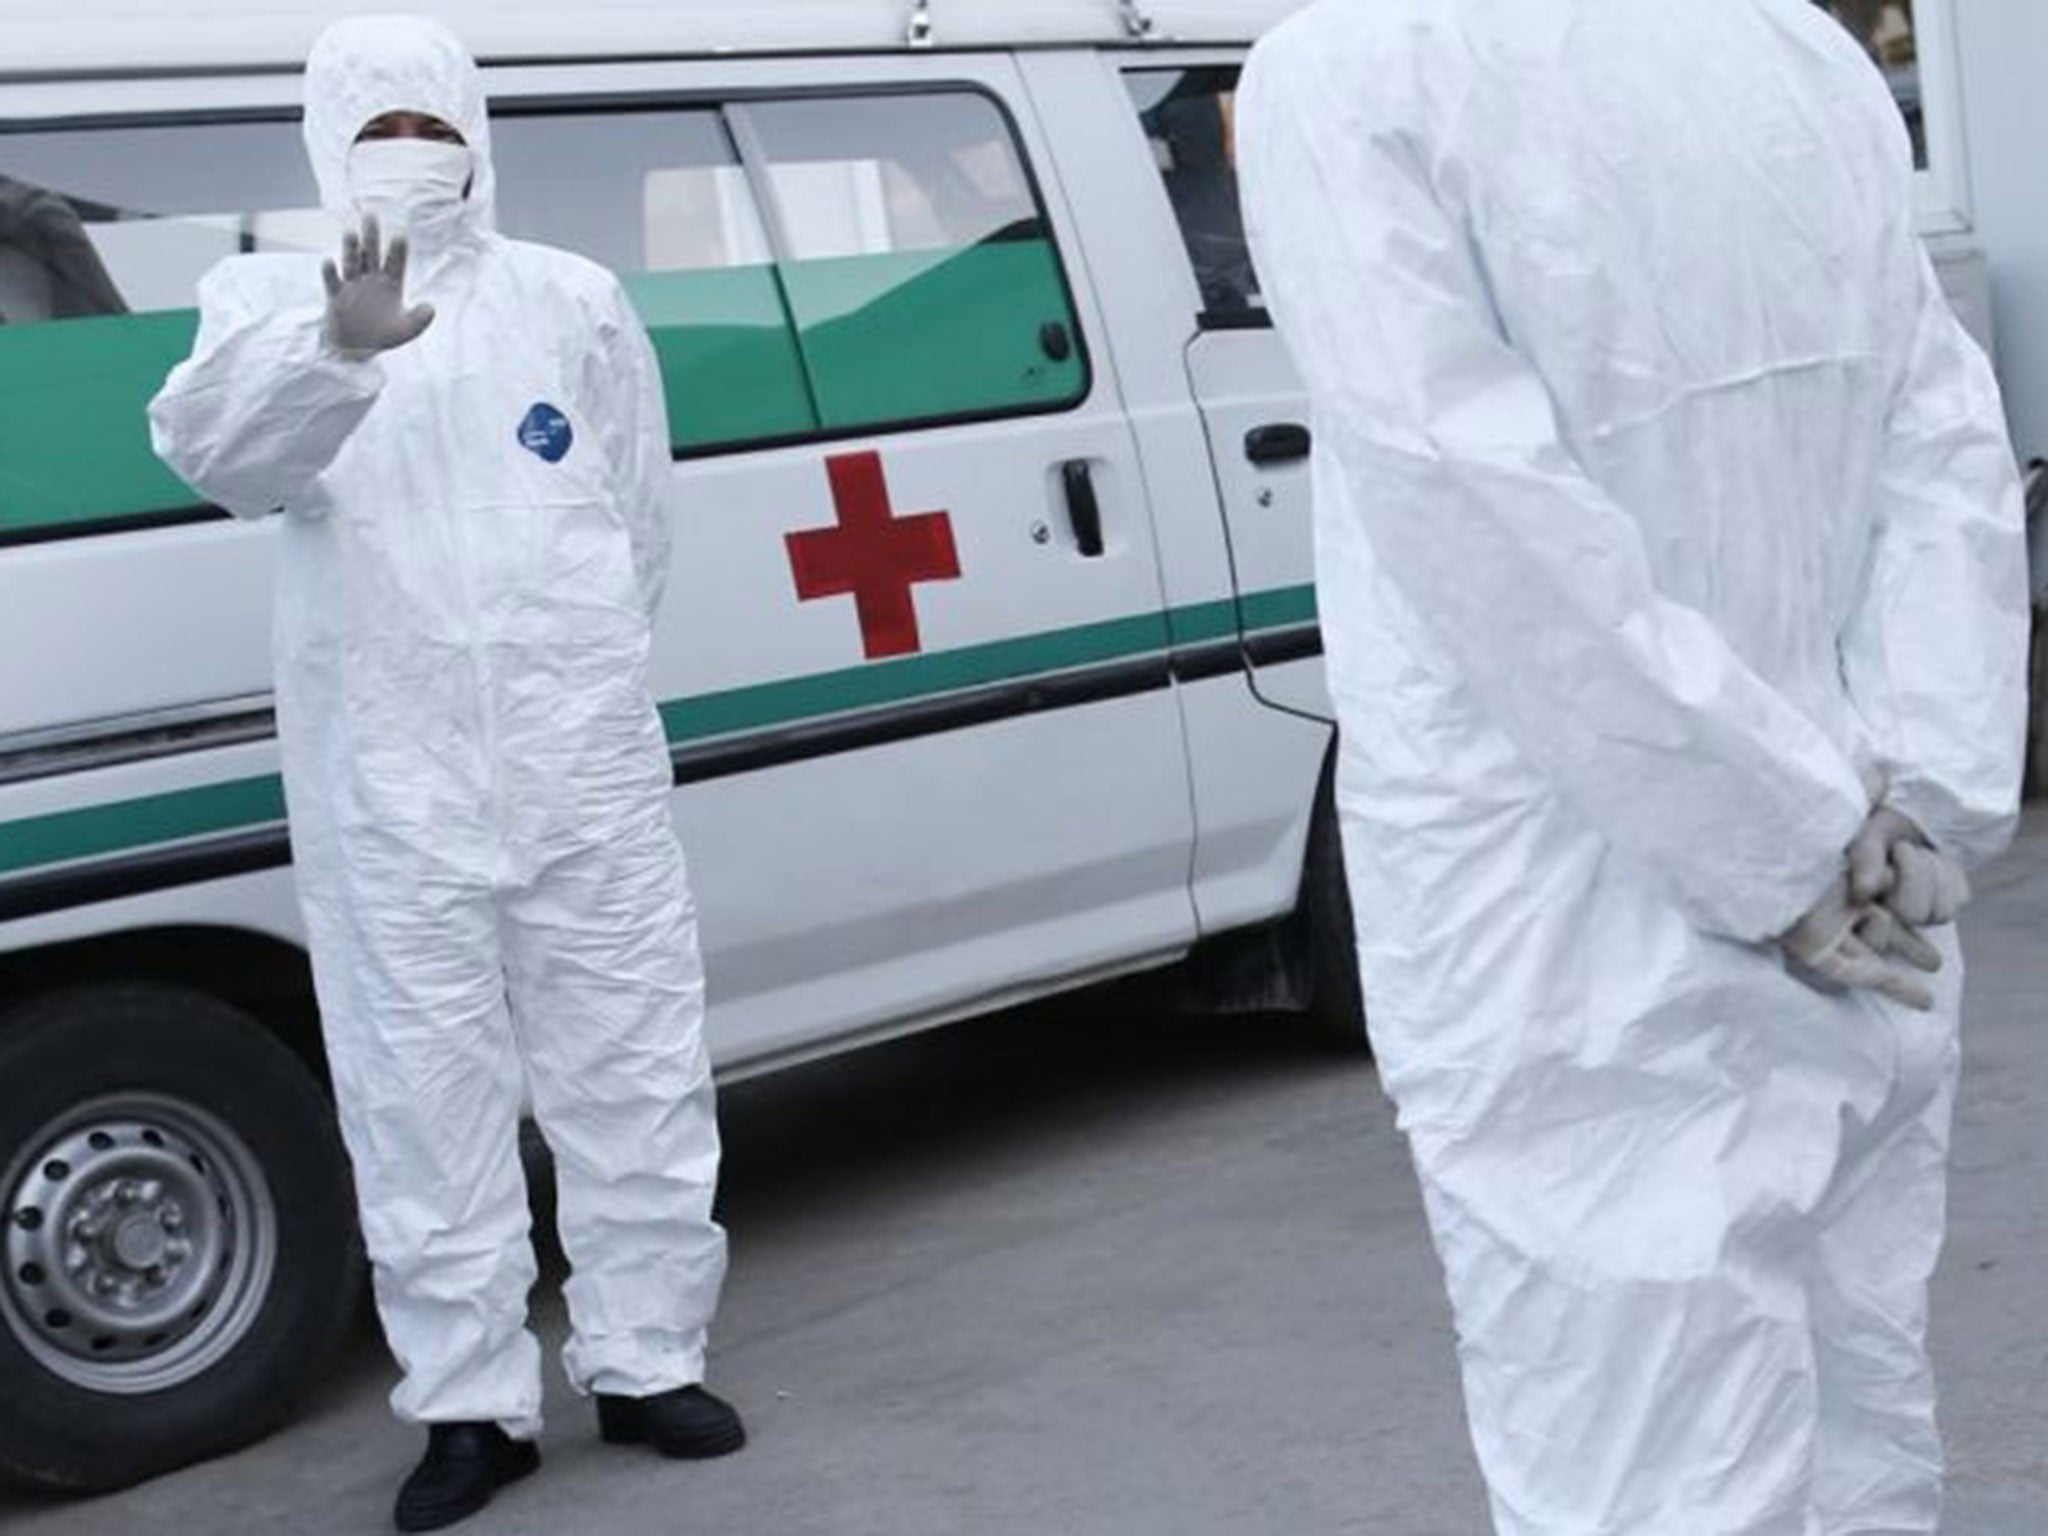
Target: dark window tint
[{"x": 1189, "y": 120}]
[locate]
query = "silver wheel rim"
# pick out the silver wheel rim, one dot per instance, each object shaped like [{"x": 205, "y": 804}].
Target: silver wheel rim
[{"x": 140, "y": 1237}]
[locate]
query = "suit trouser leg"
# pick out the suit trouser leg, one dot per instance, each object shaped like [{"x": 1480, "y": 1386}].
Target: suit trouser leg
[
  {"x": 608, "y": 998},
  {"x": 428, "y": 1086},
  {"x": 1879, "y": 1467}
]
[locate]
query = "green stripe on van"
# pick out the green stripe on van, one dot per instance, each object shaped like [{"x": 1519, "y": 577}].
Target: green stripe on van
[
  {"x": 90, "y": 831},
  {"x": 911, "y": 677},
  {"x": 179, "y": 813},
  {"x": 1278, "y": 607}
]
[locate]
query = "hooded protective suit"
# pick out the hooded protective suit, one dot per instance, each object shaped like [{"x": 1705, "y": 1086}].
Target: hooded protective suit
[
  {"x": 474, "y": 539},
  {"x": 1659, "y": 498}
]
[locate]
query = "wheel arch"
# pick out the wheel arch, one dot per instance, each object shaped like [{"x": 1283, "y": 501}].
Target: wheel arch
[
  {"x": 1268, "y": 966},
  {"x": 268, "y": 978}
]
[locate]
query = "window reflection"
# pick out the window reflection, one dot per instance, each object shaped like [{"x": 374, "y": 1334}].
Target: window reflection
[
  {"x": 1189, "y": 118},
  {"x": 49, "y": 269}
]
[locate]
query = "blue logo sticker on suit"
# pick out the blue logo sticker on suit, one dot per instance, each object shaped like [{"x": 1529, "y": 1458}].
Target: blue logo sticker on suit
[{"x": 545, "y": 431}]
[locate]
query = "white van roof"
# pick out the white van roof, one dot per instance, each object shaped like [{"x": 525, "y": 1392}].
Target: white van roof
[{"x": 47, "y": 37}]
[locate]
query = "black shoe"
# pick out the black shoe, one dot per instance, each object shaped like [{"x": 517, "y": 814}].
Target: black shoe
[
  {"x": 689, "y": 1423},
  {"x": 465, "y": 1464}
]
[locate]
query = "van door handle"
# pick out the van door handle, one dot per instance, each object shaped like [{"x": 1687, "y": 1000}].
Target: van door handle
[
  {"x": 1083, "y": 511},
  {"x": 1281, "y": 442}
]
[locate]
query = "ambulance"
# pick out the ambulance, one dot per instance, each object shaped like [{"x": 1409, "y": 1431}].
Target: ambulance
[{"x": 990, "y": 662}]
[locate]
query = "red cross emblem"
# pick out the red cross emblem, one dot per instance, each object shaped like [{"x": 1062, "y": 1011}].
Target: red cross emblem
[{"x": 874, "y": 554}]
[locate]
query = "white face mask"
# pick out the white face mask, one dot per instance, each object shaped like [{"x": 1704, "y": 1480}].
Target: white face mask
[{"x": 413, "y": 186}]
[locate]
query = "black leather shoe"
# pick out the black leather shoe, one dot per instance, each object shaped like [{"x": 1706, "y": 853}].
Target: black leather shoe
[
  {"x": 689, "y": 1423},
  {"x": 465, "y": 1464}
]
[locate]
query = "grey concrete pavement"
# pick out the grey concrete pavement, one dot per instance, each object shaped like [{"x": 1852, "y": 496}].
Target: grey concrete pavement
[
  {"x": 1991, "y": 1294},
  {"x": 1078, "y": 1272}
]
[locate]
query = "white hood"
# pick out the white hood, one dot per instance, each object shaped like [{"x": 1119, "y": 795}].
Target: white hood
[{"x": 364, "y": 66}]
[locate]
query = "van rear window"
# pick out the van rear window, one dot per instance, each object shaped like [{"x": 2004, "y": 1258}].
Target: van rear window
[{"x": 807, "y": 268}]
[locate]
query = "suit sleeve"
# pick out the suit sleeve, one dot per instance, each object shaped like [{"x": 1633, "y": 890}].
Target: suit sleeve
[
  {"x": 260, "y": 409},
  {"x": 1532, "y": 580},
  {"x": 1935, "y": 652},
  {"x": 637, "y": 431}
]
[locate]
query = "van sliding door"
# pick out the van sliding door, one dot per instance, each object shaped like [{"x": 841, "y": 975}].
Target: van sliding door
[{"x": 913, "y": 660}]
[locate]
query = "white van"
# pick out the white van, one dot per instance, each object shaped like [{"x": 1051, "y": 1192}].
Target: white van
[{"x": 989, "y": 661}]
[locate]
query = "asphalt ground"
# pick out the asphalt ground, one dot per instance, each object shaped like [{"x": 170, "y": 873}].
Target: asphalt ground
[{"x": 1086, "y": 1270}]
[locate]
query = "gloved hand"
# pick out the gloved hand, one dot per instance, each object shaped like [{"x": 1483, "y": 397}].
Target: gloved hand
[
  {"x": 1852, "y": 945},
  {"x": 366, "y": 311},
  {"x": 1892, "y": 862},
  {"x": 1887, "y": 936}
]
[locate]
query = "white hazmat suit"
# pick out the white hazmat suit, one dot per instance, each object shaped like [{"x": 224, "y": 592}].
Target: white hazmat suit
[
  {"x": 1659, "y": 500},
  {"x": 474, "y": 537}
]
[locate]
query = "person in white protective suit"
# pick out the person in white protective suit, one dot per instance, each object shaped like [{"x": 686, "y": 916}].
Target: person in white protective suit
[
  {"x": 1668, "y": 547},
  {"x": 475, "y": 493}
]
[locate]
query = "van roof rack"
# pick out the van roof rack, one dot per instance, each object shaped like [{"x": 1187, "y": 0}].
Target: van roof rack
[{"x": 46, "y": 38}]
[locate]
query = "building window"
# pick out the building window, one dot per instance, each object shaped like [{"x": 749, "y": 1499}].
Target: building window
[
  {"x": 1913, "y": 43},
  {"x": 1885, "y": 29}
]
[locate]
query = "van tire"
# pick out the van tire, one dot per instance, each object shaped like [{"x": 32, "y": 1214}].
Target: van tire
[
  {"x": 226, "y": 1286},
  {"x": 1336, "y": 1002}
]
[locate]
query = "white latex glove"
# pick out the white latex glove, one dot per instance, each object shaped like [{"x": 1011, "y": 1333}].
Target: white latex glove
[
  {"x": 1892, "y": 862},
  {"x": 1851, "y": 945},
  {"x": 366, "y": 311},
  {"x": 1931, "y": 887},
  {"x": 1888, "y": 936}
]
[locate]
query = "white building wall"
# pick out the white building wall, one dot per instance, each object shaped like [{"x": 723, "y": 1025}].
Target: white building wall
[{"x": 2002, "y": 64}]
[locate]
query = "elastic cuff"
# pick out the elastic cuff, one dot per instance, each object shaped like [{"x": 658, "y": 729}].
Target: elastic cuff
[
  {"x": 1927, "y": 808},
  {"x": 634, "y": 1365},
  {"x": 357, "y": 367}
]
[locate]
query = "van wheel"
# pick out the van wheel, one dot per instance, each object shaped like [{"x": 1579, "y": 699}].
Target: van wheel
[
  {"x": 180, "y": 1247},
  {"x": 1336, "y": 1001}
]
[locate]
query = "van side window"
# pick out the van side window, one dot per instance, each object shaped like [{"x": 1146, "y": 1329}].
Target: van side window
[
  {"x": 1189, "y": 120},
  {"x": 815, "y": 266},
  {"x": 660, "y": 198},
  {"x": 807, "y": 268},
  {"x": 104, "y": 235},
  {"x": 920, "y": 272}
]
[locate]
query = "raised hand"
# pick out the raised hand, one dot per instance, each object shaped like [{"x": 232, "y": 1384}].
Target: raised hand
[{"x": 366, "y": 312}]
